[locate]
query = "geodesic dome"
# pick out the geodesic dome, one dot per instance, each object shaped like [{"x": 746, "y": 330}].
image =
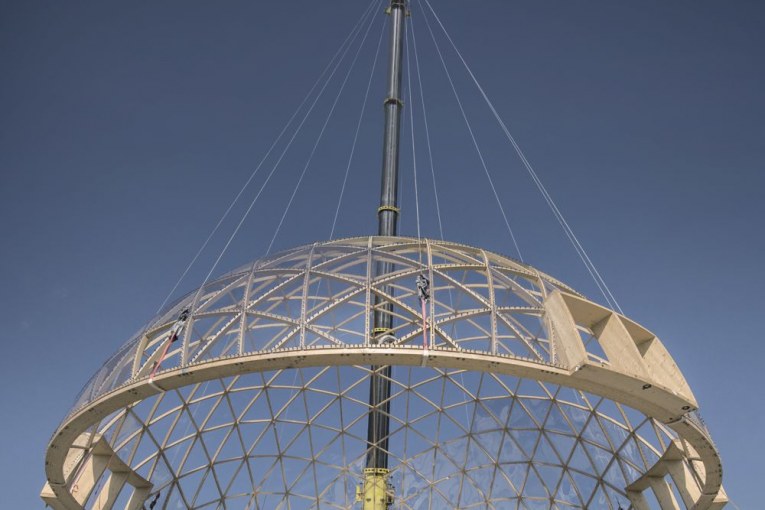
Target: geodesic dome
[{"x": 511, "y": 390}]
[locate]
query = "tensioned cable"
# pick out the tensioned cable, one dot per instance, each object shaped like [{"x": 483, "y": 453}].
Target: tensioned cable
[
  {"x": 321, "y": 134},
  {"x": 348, "y": 38},
  {"x": 472, "y": 136},
  {"x": 355, "y": 139},
  {"x": 318, "y": 140},
  {"x": 427, "y": 130},
  {"x": 356, "y": 135},
  {"x": 599, "y": 281},
  {"x": 334, "y": 70},
  {"x": 353, "y": 146},
  {"x": 281, "y": 156},
  {"x": 410, "y": 96},
  {"x": 411, "y": 130},
  {"x": 594, "y": 273},
  {"x": 432, "y": 166}
]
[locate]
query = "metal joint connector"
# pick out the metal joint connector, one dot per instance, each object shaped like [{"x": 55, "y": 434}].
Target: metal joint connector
[
  {"x": 391, "y": 208},
  {"x": 397, "y": 4},
  {"x": 393, "y": 100}
]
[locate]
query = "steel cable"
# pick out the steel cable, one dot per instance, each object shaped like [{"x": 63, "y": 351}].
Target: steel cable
[
  {"x": 281, "y": 156},
  {"x": 356, "y": 134},
  {"x": 321, "y": 134},
  {"x": 351, "y": 35},
  {"x": 473, "y": 138},
  {"x": 589, "y": 265}
]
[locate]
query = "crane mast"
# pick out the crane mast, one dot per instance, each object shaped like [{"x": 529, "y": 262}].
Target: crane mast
[{"x": 376, "y": 492}]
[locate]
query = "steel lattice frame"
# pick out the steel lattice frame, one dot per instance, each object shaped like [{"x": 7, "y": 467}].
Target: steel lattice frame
[{"x": 519, "y": 394}]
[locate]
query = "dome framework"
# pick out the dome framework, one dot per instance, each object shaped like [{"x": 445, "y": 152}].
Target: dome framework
[{"x": 510, "y": 391}]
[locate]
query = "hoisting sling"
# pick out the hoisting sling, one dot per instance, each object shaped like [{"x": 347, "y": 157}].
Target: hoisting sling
[{"x": 175, "y": 332}]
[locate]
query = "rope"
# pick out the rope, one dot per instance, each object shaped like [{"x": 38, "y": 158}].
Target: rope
[
  {"x": 594, "y": 273},
  {"x": 427, "y": 129},
  {"x": 423, "y": 298},
  {"x": 472, "y": 136},
  {"x": 321, "y": 134},
  {"x": 268, "y": 153},
  {"x": 281, "y": 156},
  {"x": 414, "y": 153},
  {"x": 356, "y": 134},
  {"x": 433, "y": 176}
]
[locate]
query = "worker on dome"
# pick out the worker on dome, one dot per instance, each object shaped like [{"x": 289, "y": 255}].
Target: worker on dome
[
  {"x": 153, "y": 501},
  {"x": 423, "y": 287},
  {"x": 178, "y": 326}
]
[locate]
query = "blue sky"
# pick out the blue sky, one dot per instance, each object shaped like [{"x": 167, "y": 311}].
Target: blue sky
[{"x": 127, "y": 129}]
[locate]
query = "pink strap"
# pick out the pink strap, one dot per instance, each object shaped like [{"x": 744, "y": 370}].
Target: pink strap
[
  {"x": 424, "y": 326},
  {"x": 164, "y": 353}
]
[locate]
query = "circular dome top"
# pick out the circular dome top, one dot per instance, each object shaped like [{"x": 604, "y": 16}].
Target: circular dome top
[
  {"x": 319, "y": 295},
  {"x": 509, "y": 389}
]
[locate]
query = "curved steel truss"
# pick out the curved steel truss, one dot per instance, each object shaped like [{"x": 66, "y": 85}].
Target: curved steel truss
[{"x": 512, "y": 391}]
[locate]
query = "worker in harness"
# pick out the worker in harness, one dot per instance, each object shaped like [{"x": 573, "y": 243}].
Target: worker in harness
[
  {"x": 423, "y": 287},
  {"x": 423, "y": 290},
  {"x": 153, "y": 502},
  {"x": 175, "y": 332}
]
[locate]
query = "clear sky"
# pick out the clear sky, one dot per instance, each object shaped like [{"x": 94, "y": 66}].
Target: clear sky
[{"x": 126, "y": 129}]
